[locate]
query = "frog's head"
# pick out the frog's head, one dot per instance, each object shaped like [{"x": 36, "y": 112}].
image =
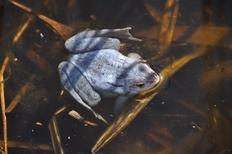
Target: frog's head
[{"x": 141, "y": 77}]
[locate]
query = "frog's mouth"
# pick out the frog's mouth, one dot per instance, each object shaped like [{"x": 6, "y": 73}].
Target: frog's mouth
[
  {"x": 155, "y": 79},
  {"x": 161, "y": 79},
  {"x": 116, "y": 85}
]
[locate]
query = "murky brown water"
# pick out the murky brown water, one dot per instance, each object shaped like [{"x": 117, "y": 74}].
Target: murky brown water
[{"x": 194, "y": 113}]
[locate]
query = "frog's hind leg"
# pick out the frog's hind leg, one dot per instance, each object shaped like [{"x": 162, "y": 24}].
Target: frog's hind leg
[
  {"x": 91, "y": 40},
  {"x": 122, "y": 33},
  {"x": 67, "y": 81},
  {"x": 91, "y": 44}
]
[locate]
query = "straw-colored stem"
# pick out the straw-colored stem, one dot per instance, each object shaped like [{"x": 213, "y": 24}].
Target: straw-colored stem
[{"x": 4, "y": 120}]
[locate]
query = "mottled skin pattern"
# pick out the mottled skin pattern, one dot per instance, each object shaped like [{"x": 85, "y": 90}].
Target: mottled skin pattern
[{"x": 95, "y": 68}]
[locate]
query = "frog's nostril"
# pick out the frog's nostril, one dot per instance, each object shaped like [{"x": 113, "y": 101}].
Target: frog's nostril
[{"x": 154, "y": 78}]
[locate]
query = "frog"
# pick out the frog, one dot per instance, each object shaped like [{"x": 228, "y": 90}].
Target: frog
[{"x": 95, "y": 68}]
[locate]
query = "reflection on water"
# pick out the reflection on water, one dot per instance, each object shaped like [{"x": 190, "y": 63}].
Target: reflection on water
[{"x": 192, "y": 116}]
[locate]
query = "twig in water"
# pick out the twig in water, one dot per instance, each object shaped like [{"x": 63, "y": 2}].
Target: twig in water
[{"x": 4, "y": 120}]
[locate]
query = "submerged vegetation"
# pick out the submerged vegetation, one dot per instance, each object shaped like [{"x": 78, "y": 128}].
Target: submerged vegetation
[{"x": 189, "y": 42}]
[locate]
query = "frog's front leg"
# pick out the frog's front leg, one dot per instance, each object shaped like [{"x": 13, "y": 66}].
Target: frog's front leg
[
  {"x": 136, "y": 57},
  {"x": 120, "y": 103},
  {"x": 78, "y": 87}
]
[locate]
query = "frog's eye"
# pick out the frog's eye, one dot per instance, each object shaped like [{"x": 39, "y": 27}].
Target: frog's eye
[{"x": 140, "y": 84}]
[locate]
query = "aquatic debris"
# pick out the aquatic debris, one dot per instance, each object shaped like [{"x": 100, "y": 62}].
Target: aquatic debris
[
  {"x": 64, "y": 31},
  {"x": 55, "y": 134},
  {"x": 39, "y": 61},
  {"x": 154, "y": 12},
  {"x": 19, "y": 95},
  {"x": 4, "y": 119},
  {"x": 168, "y": 24},
  {"x": 21, "y": 29},
  {"x": 77, "y": 116}
]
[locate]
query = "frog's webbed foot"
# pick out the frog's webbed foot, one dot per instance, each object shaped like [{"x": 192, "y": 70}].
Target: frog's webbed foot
[
  {"x": 122, "y": 33},
  {"x": 78, "y": 87}
]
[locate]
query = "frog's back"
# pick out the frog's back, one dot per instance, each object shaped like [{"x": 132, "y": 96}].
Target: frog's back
[{"x": 105, "y": 69}]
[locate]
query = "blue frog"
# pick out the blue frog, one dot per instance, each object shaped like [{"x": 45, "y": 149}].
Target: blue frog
[{"x": 95, "y": 68}]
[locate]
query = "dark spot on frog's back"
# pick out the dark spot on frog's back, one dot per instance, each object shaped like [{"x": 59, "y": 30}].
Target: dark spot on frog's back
[{"x": 122, "y": 76}]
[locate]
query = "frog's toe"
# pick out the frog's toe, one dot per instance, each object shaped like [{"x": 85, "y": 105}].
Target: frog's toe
[
  {"x": 102, "y": 119},
  {"x": 99, "y": 117}
]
